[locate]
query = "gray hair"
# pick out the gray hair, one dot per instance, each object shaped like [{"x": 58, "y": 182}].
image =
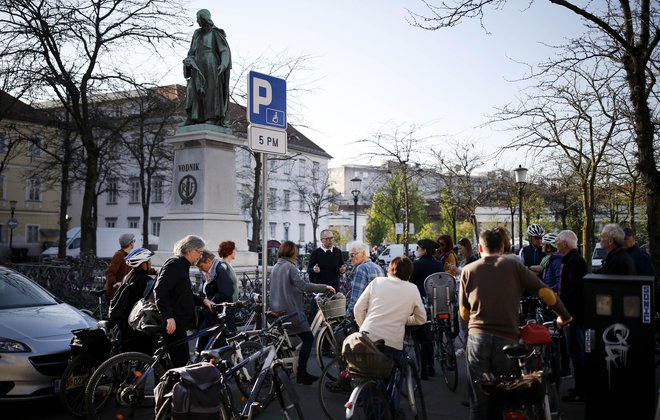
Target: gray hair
[
  {"x": 187, "y": 244},
  {"x": 359, "y": 247},
  {"x": 569, "y": 237},
  {"x": 614, "y": 232}
]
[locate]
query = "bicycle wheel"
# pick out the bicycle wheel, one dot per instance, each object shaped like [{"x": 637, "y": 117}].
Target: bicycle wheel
[
  {"x": 73, "y": 383},
  {"x": 287, "y": 395},
  {"x": 412, "y": 405},
  {"x": 122, "y": 387},
  {"x": 371, "y": 403},
  {"x": 332, "y": 394},
  {"x": 247, "y": 375},
  {"x": 447, "y": 359},
  {"x": 326, "y": 346}
]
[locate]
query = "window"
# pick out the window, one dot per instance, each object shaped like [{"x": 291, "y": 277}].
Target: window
[
  {"x": 118, "y": 111},
  {"x": 4, "y": 139},
  {"x": 34, "y": 148},
  {"x": 301, "y": 202},
  {"x": 111, "y": 222},
  {"x": 315, "y": 170},
  {"x": 287, "y": 166},
  {"x": 301, "y": 167},
  {"x": 112, "y": 192},
  {"x": 301, "y": 228},
  {"x": 272, "y": 196},
  {"x": 287, "y": 200},
  {"x": 155, "y": 225},
  {"x": 157, "y": 190},
  {"x": 134, "y": 191},
  {"x": 34, "y": 189},
  {"x": 3, "y": 229},
  {"x": 32, "y": 234},
  {"x": 133, "y": 222},
  {"x": 272, "y": 230}
]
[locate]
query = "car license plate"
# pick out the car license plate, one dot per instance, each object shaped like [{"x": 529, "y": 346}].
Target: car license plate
[{"x": 56, "y": 385}]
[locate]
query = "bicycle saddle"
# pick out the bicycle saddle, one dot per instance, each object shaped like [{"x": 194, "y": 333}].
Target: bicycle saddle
[{"x": 517, "y": 351}]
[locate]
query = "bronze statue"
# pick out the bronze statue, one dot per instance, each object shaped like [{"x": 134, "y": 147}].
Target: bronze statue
[{"x": 206, "y": 68}]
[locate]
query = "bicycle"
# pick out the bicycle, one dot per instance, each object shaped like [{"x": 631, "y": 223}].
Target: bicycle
[
  {"x": 442, "y": 302},
  {"x": 332, "y": 308},
  {"x": 99, "y": 312},
  {"x": 89, "y": 348},
  {"x": 124, "y": 384},
  {"x": 271, "y": 367},
  {"x": 373, "y": 398}
]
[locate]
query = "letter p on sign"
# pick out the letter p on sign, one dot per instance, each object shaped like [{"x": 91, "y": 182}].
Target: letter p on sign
[{"x": 266, "y": 101}]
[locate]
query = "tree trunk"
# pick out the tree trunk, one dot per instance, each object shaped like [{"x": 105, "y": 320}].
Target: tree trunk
[
  {"x": 87, "y": 217},
  {"x": 254, "y": 206},
  {"x": 64, "y": 193}
]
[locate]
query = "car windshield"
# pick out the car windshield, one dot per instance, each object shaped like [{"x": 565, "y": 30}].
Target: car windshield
[{"x": 17, "y": 291}]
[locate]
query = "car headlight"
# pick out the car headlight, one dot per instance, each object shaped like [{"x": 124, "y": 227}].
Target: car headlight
[{"x": 12, "y": 346}]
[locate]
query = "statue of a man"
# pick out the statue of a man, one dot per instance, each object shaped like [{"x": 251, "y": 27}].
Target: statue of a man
[{"x": 207, "y": 70}]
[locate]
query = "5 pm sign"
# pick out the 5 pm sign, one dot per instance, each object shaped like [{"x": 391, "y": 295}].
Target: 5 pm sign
[{"x": 266, "y": 140}]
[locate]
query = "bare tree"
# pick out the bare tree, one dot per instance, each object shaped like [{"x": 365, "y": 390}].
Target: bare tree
[
  {"x": 578, "y": 113},
  {"x": 73, "y": 50},
  {"x": 401, "y": 146},
  {"x": 316, "y": 195},
  {"x": 625, "y": 33}
]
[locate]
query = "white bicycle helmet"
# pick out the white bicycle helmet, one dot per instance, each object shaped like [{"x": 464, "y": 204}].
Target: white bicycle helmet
[
  {"x": 550, "y": 238},
  {"x": 535, "y": 230},
  {"x": 138, "y": 256}
]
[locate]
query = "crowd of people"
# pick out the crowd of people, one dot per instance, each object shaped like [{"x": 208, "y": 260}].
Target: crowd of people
[{"x": 490, "y": 284}]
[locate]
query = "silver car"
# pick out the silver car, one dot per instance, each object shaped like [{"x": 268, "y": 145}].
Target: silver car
[{"x": 35, "y": 332}]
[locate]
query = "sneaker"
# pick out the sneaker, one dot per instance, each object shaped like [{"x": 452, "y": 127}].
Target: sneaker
[
  {"x": 460, "y": 353},
  {"x": 305, "y": 378},
  {"x": 573, "y": 398}
]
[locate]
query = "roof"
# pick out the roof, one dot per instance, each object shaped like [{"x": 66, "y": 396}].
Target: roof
[{"x": 12, "y": 108}]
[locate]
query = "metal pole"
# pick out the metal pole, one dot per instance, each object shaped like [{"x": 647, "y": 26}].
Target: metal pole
[
  {"x": 355, "y": 201},
  {"x": 264, "y": 236},
  {"x": 11, "y": 237},
  {"x": 520, "y": 203}
]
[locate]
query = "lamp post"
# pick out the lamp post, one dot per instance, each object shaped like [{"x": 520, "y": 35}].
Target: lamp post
[
  {"x": 286, "y": 230},
  {"x": 521, "y": 180},
  {"x": 355, "y": 184},
  {"x": 12, "y": 224}
]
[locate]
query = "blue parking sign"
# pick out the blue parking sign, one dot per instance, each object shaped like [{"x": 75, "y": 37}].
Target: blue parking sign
[{"x": 266, "y": 100}]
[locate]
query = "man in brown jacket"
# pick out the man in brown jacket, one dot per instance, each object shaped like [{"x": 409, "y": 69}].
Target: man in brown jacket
[{"x": 118, "y": 267}]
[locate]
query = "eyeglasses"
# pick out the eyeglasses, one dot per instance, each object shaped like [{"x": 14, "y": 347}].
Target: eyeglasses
[
  {"x": 328, "y": 238},
  {"x": 352, "y": 254},
  {"x": 442, "y": 244},
  {"x": 537, "y": 237}
]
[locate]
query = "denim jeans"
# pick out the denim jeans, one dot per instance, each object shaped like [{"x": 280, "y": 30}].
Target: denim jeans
[
  {"x": 484, "y": 354},
  {"x": 574, "y": 335}
]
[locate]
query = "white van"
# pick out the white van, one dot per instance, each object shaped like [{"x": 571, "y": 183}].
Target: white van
[
  {"x": 597, "y": 257},
  {"x": 393, "y": 251},
  {"x": 107, "y": 242}
]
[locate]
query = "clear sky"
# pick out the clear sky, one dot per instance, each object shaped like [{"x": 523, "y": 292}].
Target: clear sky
[{"x": 372, "y": 68}]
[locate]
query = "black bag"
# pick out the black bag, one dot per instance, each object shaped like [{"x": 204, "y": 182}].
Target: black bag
[
  {"x": 191, "y": 392},
  {"x": 362, "y": 356},
  {"x": 123, "y": 300},
  {"x": 144, "y": 313}
]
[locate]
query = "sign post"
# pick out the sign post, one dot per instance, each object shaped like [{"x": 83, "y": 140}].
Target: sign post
[{"x": 266, "y": 134}]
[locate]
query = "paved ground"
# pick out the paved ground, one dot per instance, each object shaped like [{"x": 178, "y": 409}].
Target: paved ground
[{"x": 440, "y": 403}]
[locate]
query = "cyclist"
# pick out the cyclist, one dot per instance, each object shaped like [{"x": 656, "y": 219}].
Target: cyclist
[
  {"x": 139, "y": 281},
  {"x": 532, "y": 254},
  {"x": 490, "y": 294},
  {"x": 388, "y": 304}
]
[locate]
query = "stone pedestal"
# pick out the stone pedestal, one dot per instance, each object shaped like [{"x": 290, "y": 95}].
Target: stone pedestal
[{"x": 204, "y": 194}]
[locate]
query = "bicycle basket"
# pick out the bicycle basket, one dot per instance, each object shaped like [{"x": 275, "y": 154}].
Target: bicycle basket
[
  {"x": 526, "y": 389},
  {"x": 363, "y": 357},
  {"x": 333, "y": 308}
]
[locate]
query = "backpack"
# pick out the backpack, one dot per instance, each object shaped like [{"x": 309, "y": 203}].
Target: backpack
[
  {"x": 191, "y": 392},
  {"x": 123, "y": 300},
  {"x": 364, "y": 357}
]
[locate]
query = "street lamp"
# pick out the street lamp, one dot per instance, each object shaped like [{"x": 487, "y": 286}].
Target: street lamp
[
  {"x": 12, "y": 223},
  {"x": 355, "y": 184},
  {"x": 286, "y": 230},
  {"x": 521, "y": 180}
]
